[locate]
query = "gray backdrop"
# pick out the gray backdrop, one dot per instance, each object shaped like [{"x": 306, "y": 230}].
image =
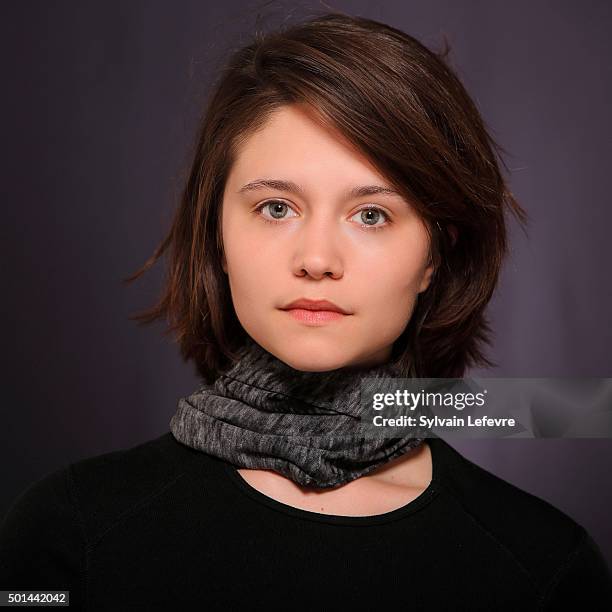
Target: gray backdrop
[{"x": 100, "y": 101}]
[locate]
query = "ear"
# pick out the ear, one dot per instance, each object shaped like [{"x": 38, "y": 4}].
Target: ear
[
  {"x": 426, "y": 280},
  {"x": 454, "y": 232},
  {"x": 224, "y": 263}
]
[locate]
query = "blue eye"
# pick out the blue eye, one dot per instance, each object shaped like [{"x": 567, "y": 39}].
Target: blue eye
[
  {"x": 366, "y": 214},
  {"x": 276, "y": 203},
  {"x": 378, "y": 212}
]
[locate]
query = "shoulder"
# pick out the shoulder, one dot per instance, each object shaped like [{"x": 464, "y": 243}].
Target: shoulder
[
  {"x": 505, "y": 510},
  {"x": 109, "y": 487},
  {"x": 50, "y": 527},
  {"x": 85, "y": 498},
  {"x": 41, "y": 536},
  {"x": 545, "y": 542}
]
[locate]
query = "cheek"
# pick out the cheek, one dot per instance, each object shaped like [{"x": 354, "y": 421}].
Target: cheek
[
  {"x": 393, "y": 277},
  {"x": 393, "y": 293},
  {"x": 251, "y": 277},
  {"x": 244, "y": 243},
  {"x": 390, "y": 298}
]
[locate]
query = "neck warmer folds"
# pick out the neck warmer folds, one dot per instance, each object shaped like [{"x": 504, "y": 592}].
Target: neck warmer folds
[{"x": 263, "y": 414}]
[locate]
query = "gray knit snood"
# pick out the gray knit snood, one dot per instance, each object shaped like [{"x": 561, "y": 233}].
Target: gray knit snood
[{"x": 263, "y": 414}]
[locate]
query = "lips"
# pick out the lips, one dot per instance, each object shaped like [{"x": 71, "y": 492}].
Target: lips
[{"x": 306, "y": 304}]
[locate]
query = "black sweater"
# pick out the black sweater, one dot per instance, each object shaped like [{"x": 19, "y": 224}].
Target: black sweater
[{"x": 164, "y": 527}]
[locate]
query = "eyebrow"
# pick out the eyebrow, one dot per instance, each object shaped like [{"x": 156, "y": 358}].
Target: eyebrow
[{"x": 291, "y": 187}]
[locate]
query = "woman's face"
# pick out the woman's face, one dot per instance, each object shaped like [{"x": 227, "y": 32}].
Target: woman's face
[{"x": 320, "y": 244}]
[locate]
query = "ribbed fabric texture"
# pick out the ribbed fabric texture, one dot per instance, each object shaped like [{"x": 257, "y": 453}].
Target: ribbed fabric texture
[{"x": 263, "y": 414}]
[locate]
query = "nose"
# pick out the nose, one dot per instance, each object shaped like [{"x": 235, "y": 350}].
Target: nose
[{"x": 317, "y": 251}]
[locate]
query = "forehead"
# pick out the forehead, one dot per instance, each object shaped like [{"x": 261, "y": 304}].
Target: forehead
[{"x": 294, "y": 142}]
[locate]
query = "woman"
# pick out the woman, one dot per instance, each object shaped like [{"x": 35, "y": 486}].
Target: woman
[{"x": 344, "y": 219}]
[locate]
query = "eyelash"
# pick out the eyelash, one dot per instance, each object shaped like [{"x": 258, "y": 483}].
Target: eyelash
[{"x": 364, "y": 227}]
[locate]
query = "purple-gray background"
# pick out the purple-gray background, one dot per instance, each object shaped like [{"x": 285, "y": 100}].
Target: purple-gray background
[{"x": 100, "y": 102}]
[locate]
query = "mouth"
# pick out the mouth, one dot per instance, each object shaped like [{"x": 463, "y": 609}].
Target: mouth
[
  {"x": 314, "y": 317},
  {"x": 315, "y": 312},
  {"x": 315, "y": 305}
]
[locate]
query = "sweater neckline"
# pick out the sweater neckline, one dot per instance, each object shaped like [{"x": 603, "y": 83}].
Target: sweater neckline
[{"x": 411, "y": 507}]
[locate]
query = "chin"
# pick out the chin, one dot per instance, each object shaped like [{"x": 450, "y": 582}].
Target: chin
[
  {"x": 307, "y": 350},
  {"x": 310, "y": 356},
  {"x": 314, "y": 367}
]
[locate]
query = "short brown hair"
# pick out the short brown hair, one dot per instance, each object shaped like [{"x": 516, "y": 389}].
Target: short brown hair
[{"x": 400, "y": 104}]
